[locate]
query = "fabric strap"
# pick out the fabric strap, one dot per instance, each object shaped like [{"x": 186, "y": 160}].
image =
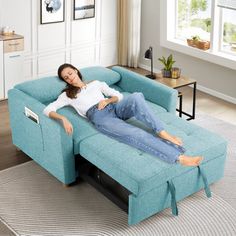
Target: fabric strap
[
  {"x": 207, "y": 188},
  {"x": 173, "y": 198}
]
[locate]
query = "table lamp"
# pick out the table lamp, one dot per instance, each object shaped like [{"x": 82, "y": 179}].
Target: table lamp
[{"x": 149, "y": 56}]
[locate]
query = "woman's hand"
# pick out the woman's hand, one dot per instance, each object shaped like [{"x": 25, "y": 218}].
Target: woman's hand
[
  {"x": 65, "y": 122},
  {"x": 102, "y": 104},
  {"x": 67, "y": 126}
]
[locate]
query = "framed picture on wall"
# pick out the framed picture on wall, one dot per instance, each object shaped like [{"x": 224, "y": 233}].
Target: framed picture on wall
[
  {"x": 84, "y": 9},
  {"x": 52, "y": 11}
]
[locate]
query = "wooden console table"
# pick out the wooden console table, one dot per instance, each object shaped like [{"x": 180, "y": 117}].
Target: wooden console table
[{"x": 176, "y": 84}]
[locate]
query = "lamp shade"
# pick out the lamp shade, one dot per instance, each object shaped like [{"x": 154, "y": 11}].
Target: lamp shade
[{"x": 148, "y": 53}]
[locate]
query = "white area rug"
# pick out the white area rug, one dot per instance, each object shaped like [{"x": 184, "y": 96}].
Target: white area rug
[
  {"x": 226, "y": 187},
  {"x": 35, "y": 203}
]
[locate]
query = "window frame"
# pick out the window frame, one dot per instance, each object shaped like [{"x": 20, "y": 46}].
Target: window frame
[{"x": 168, "y": 40}]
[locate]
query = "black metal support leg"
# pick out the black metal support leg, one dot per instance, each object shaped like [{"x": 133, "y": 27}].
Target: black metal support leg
[
  {"x": 194, "y": 98},
  {"x": 180, "y": 108},
  {"x": 191, "y": 117},
  {"x": 180, "y": 104}
]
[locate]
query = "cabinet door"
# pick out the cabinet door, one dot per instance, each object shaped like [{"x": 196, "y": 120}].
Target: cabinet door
[
  {"x": 1, "y": 72},
  {"x": 13, "y": 69}
]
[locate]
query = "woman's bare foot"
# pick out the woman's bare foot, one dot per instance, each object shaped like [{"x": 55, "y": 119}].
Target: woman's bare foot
[
  {"x": 176, "y": 140},
  {"x": 190, "y": 161}
]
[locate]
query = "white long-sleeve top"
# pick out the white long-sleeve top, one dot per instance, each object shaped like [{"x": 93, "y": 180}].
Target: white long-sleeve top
[{"x": 90, "y": 95}]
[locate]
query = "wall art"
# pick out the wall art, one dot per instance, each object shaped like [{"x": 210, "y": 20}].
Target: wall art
[
  {"x": 84, "y": 9},
  {"x": 52, "y": 11}
]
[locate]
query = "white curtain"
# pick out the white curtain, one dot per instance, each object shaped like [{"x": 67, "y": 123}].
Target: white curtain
[{"x": 129, "y": 20}]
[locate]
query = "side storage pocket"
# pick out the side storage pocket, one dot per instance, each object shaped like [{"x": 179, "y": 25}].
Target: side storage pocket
[
  {"x": 26, "y": 132},
  {"x": 29, "y": 138}
]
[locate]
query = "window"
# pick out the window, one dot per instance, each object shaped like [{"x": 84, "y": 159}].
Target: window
[
  {"x": 228, "y": 39},
  {"x": 208, "y": 20},
  {"x": 193, "y": 19}
]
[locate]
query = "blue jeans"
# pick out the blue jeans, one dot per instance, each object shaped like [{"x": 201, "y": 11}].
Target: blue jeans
[{"x": 111, "y": 121}]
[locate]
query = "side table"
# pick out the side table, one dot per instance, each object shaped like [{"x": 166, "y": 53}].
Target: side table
[{"x": 176, "y": 84}]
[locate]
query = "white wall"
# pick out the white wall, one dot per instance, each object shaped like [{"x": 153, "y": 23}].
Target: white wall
[
  {"x": 211, "y": 78},
  {"x": 1, "y": 12},
  {"x": 83, "y": 43},
  {"x": 1, "y": 71}
]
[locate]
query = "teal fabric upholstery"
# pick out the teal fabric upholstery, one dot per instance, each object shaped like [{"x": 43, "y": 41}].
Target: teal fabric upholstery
[
  {"x": 147, "y": 204},
  {"x": 49, "y": 88},
  {"x": 44, "y": 90},
  {"x": 46, "y": 142},
  {"x": 154, "y": 184},
  {"x": 140, "y": 172},
  {"x": 82, "y": 128},
  {"x": 101, "y": 74},
  {"x": 153, "y": 91}
]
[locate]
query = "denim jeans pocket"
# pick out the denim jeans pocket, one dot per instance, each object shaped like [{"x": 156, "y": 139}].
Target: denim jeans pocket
[{"x": 109, "y": 107}]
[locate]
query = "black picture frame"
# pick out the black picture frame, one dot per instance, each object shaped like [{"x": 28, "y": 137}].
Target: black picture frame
[
  {"x": 83, "y": 9},
  {"x": 52, "y": 11}
]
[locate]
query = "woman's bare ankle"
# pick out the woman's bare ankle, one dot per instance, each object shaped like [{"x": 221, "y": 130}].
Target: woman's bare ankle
[
  {"x": 164, "y": 135},
  {"x": 190, "y": 161}
]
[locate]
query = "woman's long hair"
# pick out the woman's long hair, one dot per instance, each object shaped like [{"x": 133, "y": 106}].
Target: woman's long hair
[{"x": 71, "y": 91}]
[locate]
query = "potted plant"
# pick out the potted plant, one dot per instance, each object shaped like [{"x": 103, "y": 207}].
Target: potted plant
[
  {"x": 168, "y": 63},
  {"x": 233, "y": 46},
  {"x": 197, "y": 42}
]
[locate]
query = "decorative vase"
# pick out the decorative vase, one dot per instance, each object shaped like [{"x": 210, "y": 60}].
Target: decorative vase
[
  {"x": 175, "y": 72},
  {"x": 166, "y": 73}
]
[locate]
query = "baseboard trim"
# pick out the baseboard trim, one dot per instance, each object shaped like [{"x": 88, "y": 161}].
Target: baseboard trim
[
  {"x": 201, "y": 88},
  {"x": 145, "y": 67},
  {"x": 216, "y": 94}
]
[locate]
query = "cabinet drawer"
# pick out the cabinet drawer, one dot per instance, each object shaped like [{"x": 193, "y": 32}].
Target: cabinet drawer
[{"x": 13, "y": 45}]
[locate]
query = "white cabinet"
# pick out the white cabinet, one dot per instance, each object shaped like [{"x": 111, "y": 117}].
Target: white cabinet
[
  {"x": 12, "y": 63},
  {"x": 13, "y": 69},
  {"x": 1, "y": 72}
]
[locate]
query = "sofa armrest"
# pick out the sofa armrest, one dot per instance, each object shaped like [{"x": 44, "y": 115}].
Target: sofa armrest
[
  {"x": 152, "y": 90},
  {"x": 47, "y": 142}
]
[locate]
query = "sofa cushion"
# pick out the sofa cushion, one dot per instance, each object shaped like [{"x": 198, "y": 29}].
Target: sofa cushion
[
  {"x": 140, "y": 172},
  {"x": 101, "y": 74},
  {"x": 47, "y": 89}
]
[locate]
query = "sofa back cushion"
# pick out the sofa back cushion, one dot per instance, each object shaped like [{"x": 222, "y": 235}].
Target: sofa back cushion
[
  {"x": 44, "y": 90},
  {"x": 47, "y": 89}
]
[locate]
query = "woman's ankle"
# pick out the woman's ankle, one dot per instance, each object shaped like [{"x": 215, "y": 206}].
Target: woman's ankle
[
  {"x": 190, "y": 161},
  {"x": 164, "y": 135}
]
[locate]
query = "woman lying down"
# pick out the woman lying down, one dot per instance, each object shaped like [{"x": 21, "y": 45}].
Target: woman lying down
[{"x": 108, "y": 116}]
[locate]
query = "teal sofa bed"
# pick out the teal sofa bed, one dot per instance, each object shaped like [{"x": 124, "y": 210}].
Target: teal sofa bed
[{"x": 153, "y": 184}]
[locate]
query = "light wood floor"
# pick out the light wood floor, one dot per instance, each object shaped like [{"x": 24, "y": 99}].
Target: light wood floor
[
  {"x": 210, "y": 105},
  {"x": 9, "y": 155}
]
